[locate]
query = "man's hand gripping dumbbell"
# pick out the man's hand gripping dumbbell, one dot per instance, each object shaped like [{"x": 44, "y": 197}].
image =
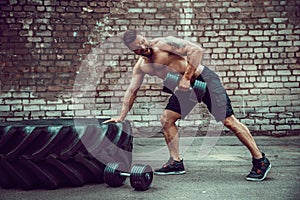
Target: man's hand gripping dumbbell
[{"x": 196, "y": 92}]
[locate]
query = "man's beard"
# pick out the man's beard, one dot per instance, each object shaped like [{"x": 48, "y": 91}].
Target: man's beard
[{"x": 150, "y": 50}]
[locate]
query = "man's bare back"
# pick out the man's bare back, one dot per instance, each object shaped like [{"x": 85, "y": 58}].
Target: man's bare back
[{"x": 163, "y": 61}]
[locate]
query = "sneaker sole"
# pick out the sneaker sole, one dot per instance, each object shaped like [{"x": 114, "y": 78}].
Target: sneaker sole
[
  {"x": 169, "y": 173},
  {"x": 263, "y": 178}
]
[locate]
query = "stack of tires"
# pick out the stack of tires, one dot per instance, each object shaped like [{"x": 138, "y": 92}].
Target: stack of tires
[{"x": 61, "y": 153}]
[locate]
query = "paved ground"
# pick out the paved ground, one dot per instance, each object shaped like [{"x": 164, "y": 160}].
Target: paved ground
[{"x": 214, "y": 171}]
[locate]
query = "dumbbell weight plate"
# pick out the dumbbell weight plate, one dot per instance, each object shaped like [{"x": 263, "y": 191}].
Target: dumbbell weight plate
[
  {"x": 170, "y": 82},
  {"x": 199, "y": 89},
  {"x": 112, "y": 175},
  {"x": 141, "y": 177}
]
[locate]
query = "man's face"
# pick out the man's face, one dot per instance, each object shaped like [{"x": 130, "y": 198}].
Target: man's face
[{"x": 141, "y": 46}]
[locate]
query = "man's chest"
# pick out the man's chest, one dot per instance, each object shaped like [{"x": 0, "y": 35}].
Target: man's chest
[
  {"x": 163, "y": 62},
  {"x": 159, "y": 58}
]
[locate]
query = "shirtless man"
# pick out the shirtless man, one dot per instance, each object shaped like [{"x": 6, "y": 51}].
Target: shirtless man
[{"x": 170, "y": 54}]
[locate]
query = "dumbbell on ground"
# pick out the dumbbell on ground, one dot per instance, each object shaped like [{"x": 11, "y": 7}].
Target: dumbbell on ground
[
  {"x": 196, "y": 92},
  {"x": 141, "y": 176}
]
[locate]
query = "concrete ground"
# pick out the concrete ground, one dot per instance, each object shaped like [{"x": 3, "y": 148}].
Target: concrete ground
[{"x": 216, "y": 169}]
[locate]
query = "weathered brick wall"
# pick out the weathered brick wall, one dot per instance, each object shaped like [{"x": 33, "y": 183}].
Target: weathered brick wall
[{"x": 66, "y": 59}]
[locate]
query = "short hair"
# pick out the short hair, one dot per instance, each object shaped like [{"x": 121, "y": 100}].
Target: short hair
[{"x": 130, "y": 36}]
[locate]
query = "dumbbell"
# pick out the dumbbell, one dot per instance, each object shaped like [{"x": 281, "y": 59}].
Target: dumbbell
[
  {"x": 141, "y": 176},
  {"x": 196, "y": 92}
]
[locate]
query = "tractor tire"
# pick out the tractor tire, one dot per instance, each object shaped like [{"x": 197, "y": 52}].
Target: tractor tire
[{"x": 61, "y": 153}]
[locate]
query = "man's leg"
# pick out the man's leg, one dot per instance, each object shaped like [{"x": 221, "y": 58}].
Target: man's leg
[
  {"x": 261, "y": 165},
  {"x": 243, "y": 134},
  {"x": 170, "y": 130},
  {"x": 178, "y": 107},
  {"x": 219, "y": 105},
  {"x": 174, "y": 164}
]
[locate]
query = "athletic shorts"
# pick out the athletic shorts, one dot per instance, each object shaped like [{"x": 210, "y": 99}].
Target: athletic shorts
[{"x": 216, "y": 99}]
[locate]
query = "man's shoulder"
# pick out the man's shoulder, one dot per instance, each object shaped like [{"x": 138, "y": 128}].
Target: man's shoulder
[
  {"x": 163, "y": 39},
  {"x": 156, "y": 40}
]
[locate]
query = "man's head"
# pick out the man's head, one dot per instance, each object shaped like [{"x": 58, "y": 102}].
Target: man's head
[{"x": 136, "y": 42}]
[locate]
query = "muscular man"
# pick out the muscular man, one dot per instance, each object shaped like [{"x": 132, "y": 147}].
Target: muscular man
[{"x": 169, "y": 54}]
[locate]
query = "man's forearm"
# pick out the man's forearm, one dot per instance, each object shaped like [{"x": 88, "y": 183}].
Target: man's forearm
[
  {"x": 125, "y": 109},
  {"x": 189, "y": 72},
  {"x": 127, "y": 104}
]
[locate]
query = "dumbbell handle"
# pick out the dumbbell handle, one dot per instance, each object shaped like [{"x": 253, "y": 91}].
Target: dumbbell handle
[
  {"x": 177, "y": 88},
  {"x": 175, "y": 78},
  {"x": 190, "y": 88},
  {"x": 124, "y": 174}
]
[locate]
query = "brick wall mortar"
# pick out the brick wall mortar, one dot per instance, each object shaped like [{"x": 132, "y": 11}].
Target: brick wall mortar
[{"x": 57, "y": 59}]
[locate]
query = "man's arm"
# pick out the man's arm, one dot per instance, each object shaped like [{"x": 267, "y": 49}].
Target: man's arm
[
  {"x": 186, "y": 48},
  {"x": 130, "y": 94},
  {"x": 183, "y": 48}
]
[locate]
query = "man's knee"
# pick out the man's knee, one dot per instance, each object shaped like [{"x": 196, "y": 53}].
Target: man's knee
[
  {"x": 230, "y": 121},
  {"x": 168, "y": 119}
]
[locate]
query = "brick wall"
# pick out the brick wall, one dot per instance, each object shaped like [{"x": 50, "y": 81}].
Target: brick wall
[{"x": 66, "y": 59}]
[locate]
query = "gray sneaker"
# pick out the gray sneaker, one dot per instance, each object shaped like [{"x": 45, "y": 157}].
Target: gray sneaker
[
  {"x": 172, "y": 167},
  {"x": 260, "y": 169}
]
